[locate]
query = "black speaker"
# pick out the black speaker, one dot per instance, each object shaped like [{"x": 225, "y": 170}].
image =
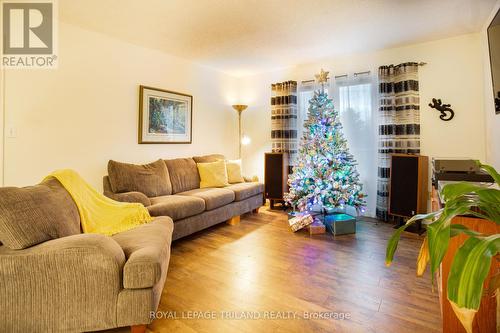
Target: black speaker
[
  {"x": 275, "y": 176},
  {"x": 408, "y": 192}
]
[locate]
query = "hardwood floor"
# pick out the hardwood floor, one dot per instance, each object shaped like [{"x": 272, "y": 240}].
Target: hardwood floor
[{"x": 260, "y": 267}]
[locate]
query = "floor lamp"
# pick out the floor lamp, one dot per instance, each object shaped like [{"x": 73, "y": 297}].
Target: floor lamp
[{"x": 239, "y": 108}]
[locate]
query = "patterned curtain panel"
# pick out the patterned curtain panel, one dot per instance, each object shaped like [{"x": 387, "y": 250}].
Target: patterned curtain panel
[
  {"x": 284, "y": 119},
  {"x": 399, "y": 123}
]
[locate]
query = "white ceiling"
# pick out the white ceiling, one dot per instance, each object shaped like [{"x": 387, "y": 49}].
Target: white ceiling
[{"x": 242, "y": 37}]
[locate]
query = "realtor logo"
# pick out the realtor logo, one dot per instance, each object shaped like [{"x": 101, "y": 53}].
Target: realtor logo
[{"x": 28, "y": 34}]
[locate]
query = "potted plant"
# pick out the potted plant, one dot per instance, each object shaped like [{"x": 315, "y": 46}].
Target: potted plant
[{"x": 472, "y": 261}]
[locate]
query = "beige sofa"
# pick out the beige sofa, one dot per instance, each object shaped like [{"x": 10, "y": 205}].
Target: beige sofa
[
  {"x": 53, "y": 278},
  {"x": 175, "y": 191}
]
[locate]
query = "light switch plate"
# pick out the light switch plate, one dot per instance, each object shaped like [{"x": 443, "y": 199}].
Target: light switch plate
[{"x": 11, "y": 132}]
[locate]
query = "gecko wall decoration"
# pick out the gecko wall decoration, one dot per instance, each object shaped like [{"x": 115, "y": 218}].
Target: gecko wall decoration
[{"x": 443, "y": 108}]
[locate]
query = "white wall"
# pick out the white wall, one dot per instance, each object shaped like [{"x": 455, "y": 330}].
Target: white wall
[
  {"x": 454, "y": 73},
  {"x": 86, "y": 112},
  {"x": 492, "y": 120}
]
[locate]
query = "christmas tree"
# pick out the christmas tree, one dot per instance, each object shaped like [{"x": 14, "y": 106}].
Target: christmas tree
[{"x": 325, "y": 175}]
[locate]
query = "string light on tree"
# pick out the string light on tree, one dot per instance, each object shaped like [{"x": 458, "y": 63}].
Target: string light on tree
[{"x": 325, "y": 174}]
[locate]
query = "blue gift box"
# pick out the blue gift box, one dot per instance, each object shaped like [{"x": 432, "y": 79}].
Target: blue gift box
[{"x": 340, "y": 223}]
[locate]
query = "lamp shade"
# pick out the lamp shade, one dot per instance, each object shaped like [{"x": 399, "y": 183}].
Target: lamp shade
[{"x": 240, "y": 107}]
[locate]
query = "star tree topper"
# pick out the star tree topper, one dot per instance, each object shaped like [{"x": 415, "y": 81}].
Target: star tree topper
[{"x": 322, "y": 77}]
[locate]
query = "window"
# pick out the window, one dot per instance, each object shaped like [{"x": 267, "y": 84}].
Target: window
[{"x": 354, "y": 98}]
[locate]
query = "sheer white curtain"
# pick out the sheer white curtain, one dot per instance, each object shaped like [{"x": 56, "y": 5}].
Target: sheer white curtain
[{"x": 355, "y": 99}]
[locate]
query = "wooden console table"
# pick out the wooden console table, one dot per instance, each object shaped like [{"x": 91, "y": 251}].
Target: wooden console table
[{"x": 486, "y": 318}]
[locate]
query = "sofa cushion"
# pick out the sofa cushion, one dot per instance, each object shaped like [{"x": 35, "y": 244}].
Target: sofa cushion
[
  {"x": 151, "y": 179},
  {"x": 176, "y": 206},
  {"x": 147, "y": 252},
  {"x": 213, "y": 174},
  {"x": 213, "y": 197},
  {"x": 35, "y": 214},
  {"x": 208, "y": 158},
  {"x": 183, "y": 174},
  {"x": 245, "y": 190}
]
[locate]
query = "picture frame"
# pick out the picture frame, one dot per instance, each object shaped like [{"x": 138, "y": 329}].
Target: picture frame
[{"x": 164, "y": 116}]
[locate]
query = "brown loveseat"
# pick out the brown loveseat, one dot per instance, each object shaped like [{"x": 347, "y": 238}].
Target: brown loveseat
[
  {"x": 172, "y": 188},
  {"x": 53, "y": 278}
]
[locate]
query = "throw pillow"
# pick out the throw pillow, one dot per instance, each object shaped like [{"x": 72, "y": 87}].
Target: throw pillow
[
  {"x": 35, "y": 214},
  {"x": 151, "y": 179},
  {"x": 234, "y": 174},
  {"x": 212, "y": 174}
]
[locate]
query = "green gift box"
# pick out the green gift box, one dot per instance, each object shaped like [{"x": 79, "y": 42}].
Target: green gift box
[{"x": 340, "y": 223}]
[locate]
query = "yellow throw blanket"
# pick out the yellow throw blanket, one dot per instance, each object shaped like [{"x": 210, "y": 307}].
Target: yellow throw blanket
[{"x": 98, "y": 213}]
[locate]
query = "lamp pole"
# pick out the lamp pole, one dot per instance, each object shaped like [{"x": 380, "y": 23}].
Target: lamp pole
[{"x": 239, "y": 108}]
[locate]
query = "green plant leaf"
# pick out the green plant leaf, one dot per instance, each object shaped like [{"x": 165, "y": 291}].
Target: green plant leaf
[
  {"x": 489, "y": 202},
  {"x": 439, "y": 238},
  {"x": 392, "y": 244},
  {"x": 469, "y": 269},
  {"x": 491, "y": 171},
  {"x": 439, "y": 232},
  {"x": 479, "y": 214},
  {"x": 488, "y": 195},
  {"x": 457, "y": 229},
  {"x": 423, "y": 257},
  {"x": 484, "y": 198},
  {"x": 485, "y": 203},
  {"x": 452, "y": 191}
]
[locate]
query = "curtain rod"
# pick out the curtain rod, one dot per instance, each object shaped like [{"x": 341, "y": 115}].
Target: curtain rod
[
  {"x": 339, "y": 76},
  {"x": 355, "y": 74},
  {"x": 361, "y": 73}
]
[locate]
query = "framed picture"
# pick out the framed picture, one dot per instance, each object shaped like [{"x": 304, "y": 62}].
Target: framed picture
[{"x": 164, "y": 116}]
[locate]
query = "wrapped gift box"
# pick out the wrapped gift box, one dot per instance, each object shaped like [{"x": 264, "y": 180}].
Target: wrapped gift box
[
  {"x": 340, "y": 224},
  {"x": 299, "y": 221},
  {"x": 317, "y": 227}
]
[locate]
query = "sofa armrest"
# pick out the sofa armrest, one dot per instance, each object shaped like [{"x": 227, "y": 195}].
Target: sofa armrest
[
  {"x": 129, "y": 197},
  {"x": 147, "y": 249},
  {"x": 48, "y": 286}
]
